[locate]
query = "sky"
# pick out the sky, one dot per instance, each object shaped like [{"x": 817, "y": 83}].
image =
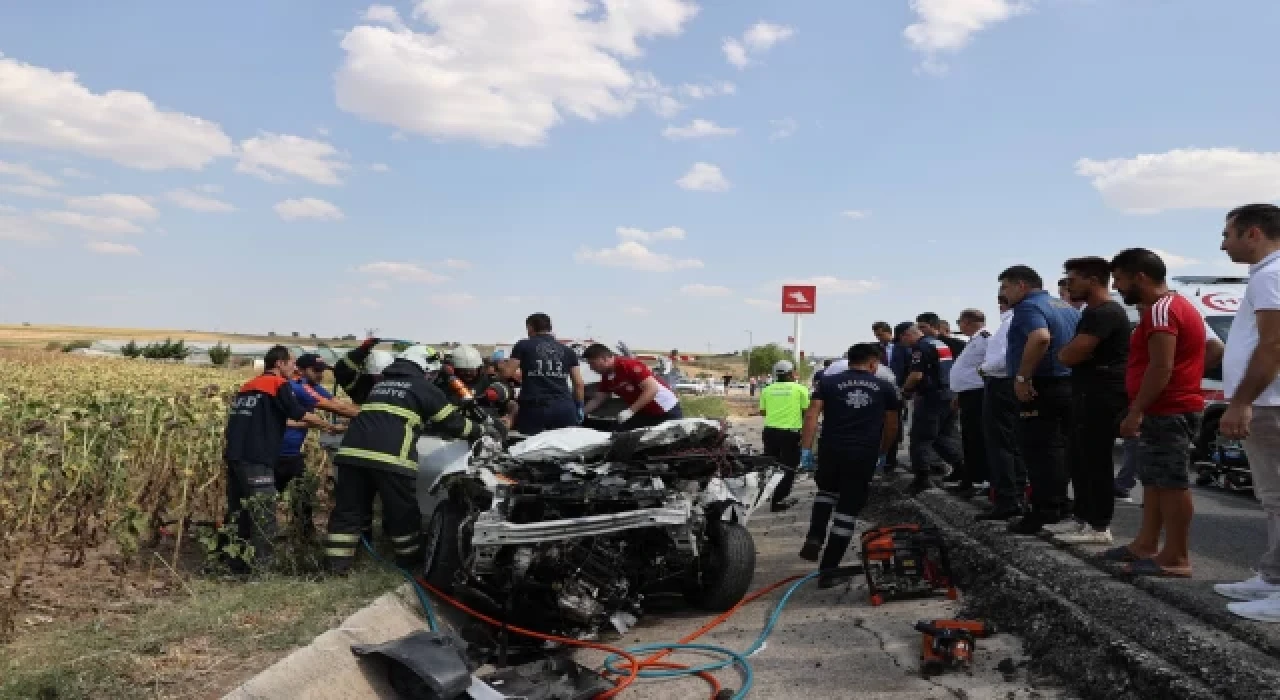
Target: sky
[{"x": 642, "y": 170}]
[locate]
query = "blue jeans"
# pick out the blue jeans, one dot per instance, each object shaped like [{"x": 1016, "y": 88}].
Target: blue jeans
[{"x": 1128, "y": 476}]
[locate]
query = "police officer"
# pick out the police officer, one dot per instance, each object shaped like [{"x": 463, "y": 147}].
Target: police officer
[
  {"x": 935, "y": 440},
  {"x": 859, "y": 420},
  {"x": 255, "y": 429},
  {"x": 379, "y": 454},
  {"x": 546, "y": 368},
  {"x": 783, "y": 404}
]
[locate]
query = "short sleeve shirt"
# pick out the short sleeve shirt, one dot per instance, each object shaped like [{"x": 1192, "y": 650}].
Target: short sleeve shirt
[
  {"x": 1109, "y": 323},
  {"x": 309, "y": 396},
  {"x": 625, "y": 380},
  {"x": 1262, "y": 294},
  {"x": 784, "y": 404},
  {"x": 1175, "y": 315},
  {"x": 544, "y": 368},
  {"x": 853, "y": 408},
  {"x": 1040, "y": 310}
]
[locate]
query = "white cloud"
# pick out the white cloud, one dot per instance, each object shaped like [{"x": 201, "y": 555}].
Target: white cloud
[
  {"x": 501, "y": 72},
  {"x": 126, "y": 206},
  {"x": 108, "y": 248},
  {"x": 25, "y": 172},
  {"x": 855, "y": 214},
  {"x": 705, "y": 290},
  {"x": 21, "y": 229},
  {"x": 48, "y": 109},
  {"x": 29, "y": 191},
  {"x": 670, "y": 233},
  {"x": 380, "y": 168},
  {"x": 697, "y": 128},
  {"x": 635, "y": 256},
  {"x": 948, "y": 25},
  {"x": 1214, "y": 178},
  {"x": 308, "y": 208},
  {"x": 696, "y": 91},
  {"x": 198, "y": 202},
  {"x": 704, "y": 177},
  {"x": 97, "y": 224},
  {"x": 783, "y": 128},
  {"x": 635, "y": 311},
  {"x": 273, "y": 156},
  {"x": 402, "y": 272},
  {"x": 835, "y": 285},
  {"x": 452, "y": 301},
  {"x": 1173, "y": 261},
  {"x": 80, "y": 174},
  {"x": 455, "y": 264},
  {"x": 384, "y": 14},
  {"x": 759, "y": 38}
]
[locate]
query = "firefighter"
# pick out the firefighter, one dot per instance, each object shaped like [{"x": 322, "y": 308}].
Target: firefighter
[
  {"x": 379, "y": 454},
  {"x": 255, "y": 429},
  {"x": 361, "y": 368},
  {"x": 489, "y": 391}
]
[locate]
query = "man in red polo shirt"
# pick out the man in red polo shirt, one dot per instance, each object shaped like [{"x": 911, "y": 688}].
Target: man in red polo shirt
[
  {"x": 1165, "y": 366},
  {"x": 649, "y": 401}
]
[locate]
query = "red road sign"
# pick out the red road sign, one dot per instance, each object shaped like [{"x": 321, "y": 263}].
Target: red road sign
[{"x": 799, "y": 299}]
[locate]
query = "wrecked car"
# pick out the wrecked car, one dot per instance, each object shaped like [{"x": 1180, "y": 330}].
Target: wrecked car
[{"x": 570, "y": 531}]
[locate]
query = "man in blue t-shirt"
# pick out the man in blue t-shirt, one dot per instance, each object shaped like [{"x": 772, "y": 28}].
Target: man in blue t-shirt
[
  {"x": 1041, "y": 326},
  {"x": 314, "y": 397},
  {"x": 547, "y": 367},
  {"x": 859, "y": 421}
]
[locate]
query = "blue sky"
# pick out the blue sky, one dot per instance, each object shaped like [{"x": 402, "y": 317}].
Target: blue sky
[{"x": 652, "y": 170}]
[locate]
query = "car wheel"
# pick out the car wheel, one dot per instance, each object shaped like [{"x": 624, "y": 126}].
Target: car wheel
[
  {"x": 727, "y": 567},
  {"x": 443, "y": 555}
]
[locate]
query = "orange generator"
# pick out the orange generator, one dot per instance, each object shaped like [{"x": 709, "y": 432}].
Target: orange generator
[{"x": 904, "y": 561}]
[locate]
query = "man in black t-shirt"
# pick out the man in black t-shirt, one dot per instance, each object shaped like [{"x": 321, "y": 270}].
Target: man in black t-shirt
[
  {"x": 546, "y": 369},
  {"x": 859, "y": 421},
  {"x": 1097, "y": 356}
]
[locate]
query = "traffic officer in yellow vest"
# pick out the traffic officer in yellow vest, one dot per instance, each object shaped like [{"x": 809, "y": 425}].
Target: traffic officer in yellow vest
[
  {"x": 379, "y": 454},
  {"x": 783, "y": 404}
]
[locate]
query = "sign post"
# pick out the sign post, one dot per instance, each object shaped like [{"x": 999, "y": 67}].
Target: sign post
[{"x": 798, "y": 299}]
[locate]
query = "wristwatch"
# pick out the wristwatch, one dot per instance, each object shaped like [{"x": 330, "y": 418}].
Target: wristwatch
[{"x": 1020, "y": 379}]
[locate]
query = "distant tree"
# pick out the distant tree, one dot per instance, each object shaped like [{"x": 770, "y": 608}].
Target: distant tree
[
  {"x": 220, "y": 354},
  {"x": 168, "y": 350},
  {"x": 400, "y": 347},
  {"x": 349, "y": 336},
  {"x": 131, "y": 349},
  {"x": 313, "y": 336},
  {"x": 53, "y": 346},
  {"x": 295, "y": 334},
  {"x": 76, "y": 345},
  {"x": 271, "y": 334},
  {"x": 764, "y": 357}
]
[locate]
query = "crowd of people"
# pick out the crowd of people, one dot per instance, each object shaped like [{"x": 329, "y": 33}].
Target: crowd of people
[{"x": 1028, "y": 415}]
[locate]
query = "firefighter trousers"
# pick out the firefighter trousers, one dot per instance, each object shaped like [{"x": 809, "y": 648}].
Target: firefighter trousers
[{"x": 353, "y": 511}]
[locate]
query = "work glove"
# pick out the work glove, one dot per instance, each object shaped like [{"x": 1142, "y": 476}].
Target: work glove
[
  {"x": 625, "y": 415},
  {"x": 806, "y": 459}
]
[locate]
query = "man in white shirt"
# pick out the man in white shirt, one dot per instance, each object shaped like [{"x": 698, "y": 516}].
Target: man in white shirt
[
  {"x": 969, "y": 388},
  {"x": 1249, "y": 376},
  {"x": 1007, "y": 471}
]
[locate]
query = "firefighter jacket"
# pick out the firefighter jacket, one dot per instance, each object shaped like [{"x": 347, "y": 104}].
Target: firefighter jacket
[
  {"x": 398, "y": 410},
  {"x": 256, "y": 420},
  {"x": 351, "y": 375}
]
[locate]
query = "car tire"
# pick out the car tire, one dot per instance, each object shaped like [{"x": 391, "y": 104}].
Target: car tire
[
  {"x": 443, "y": 557},
  {"x": 727, "y": 568}
]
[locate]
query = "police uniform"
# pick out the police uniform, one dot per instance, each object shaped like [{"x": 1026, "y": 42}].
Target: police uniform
[
  {"x": 784, "y": 404},
  {"x": 546, "y": 399},
  {"x": 854, "y": 406},
  {"x": 935, "y": 439},
  {"x": 379, "y": 454},
  {"x": 255, "y": 430}
]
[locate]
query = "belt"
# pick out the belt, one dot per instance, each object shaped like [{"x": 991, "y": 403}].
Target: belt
[{"x": 785, "y": 430}]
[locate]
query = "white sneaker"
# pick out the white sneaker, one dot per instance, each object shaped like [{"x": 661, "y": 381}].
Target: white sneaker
[
  {"x": 1253, "y": 589},
  {"x": 1065, "y": 526},
  {"x": 1086, "y": 535},
  {"x": 1265, "y": 610},
  {"x": 982, "y": 486}
]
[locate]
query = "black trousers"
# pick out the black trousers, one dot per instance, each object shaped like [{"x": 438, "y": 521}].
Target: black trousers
[
  {"x": 251, "y": 504},
  {"x": 353, "y": 508},
  {"x": 1001, "y": 429},
  {"x": 1046, "y": 421},
  {"x": 645, "y": 420},
  {"x": 287, "y": 469},
  {"x": 1096, "y": 413},
  {"x": 972, "y": 437},
  {"x": 935, "y": 438},
  {"x": 537, "y": 415},
  {"x": 784, "y": 446},
  {"x": 844, "y": 483},
  {"x": 891, "y": 459}
]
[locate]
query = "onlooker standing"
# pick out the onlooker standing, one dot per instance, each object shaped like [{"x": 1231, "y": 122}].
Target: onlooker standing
[
  {"x": 1166, "y": 364},
  {"x": 935, "y": 442},
  {"x": 1249, "y": 374},
  {"x": 897, "y": 358},
  {"x": 1000, "y": 427},
  {"x": 783, "y": 404},
  {"x": 1040, "y": 327},
  {"x": 932, "y": 326},
  {"x": 817, "y": 376},
  {"x": 1097, "y": 356},
  {"x": 546, "y": 369},
  {"x": 969, "y": 387}
]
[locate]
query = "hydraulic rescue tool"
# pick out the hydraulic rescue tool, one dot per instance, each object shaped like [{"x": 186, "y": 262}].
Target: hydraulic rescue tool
[{"x": 949, "y": 643}]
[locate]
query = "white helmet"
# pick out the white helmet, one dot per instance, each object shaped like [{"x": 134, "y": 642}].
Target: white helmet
[
  {"x": 424, "y": 356},
  {"x": 466, "y": 357},
  {"x": 377, "y": 361},
  {"x": 783, "y": 367}
]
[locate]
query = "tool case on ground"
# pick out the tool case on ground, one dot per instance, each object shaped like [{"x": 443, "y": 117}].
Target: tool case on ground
[{"x": 906, "y": 561}]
